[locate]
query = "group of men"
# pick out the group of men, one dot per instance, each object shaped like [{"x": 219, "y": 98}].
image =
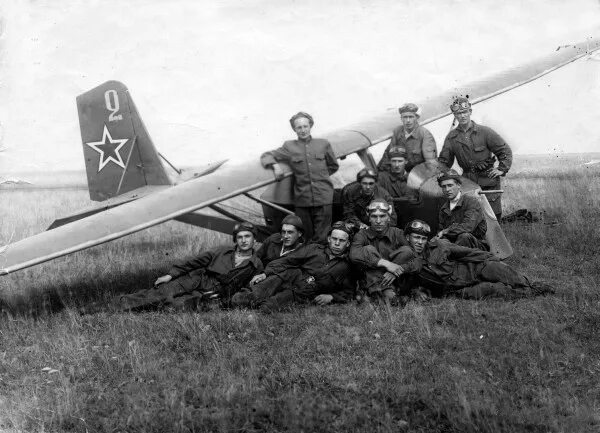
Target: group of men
[{"x": 379, "y": 251}]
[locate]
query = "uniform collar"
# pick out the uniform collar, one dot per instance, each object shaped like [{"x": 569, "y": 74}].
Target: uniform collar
[
  {"x": 474, "y": 127},
  {"x": 446, "y": 205},
  {"x": 372, "y": 234}
]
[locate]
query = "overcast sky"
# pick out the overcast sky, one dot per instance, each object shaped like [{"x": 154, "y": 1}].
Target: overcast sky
[{"x": 218, "y": 79}]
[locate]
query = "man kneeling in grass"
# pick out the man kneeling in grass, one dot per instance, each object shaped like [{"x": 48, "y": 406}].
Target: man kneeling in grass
[
  {"x": 439, "y": 267},
  {"x": 313, "y": 273},
  {"x": 213, "y": 274}
]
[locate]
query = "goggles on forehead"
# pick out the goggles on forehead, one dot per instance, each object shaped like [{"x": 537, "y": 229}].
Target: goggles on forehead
[
  {"x": 379, "y": 205},
  {"x": 417, "y": 226},
  {"x": 460, "y": 106}
]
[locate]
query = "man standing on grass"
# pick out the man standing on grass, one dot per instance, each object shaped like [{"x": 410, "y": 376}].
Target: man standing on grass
[
  {"x": 406, "y": 200},
  {"x": 356, "y": 197},
  {"x": 213, "y": 274},
  {"x": 460, "y": 218},
  {"x": 371, "y": 250},
  {"x": 417, "y": 141},
  {"x": 441, "y": 268},
  {"x": 476, "y": 149},
  {"x": 314, "y": 273},
  {"x": 312, "y": 160}
]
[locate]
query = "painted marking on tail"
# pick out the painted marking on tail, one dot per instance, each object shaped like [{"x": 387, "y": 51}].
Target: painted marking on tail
[{"x": 109, "y": 149}]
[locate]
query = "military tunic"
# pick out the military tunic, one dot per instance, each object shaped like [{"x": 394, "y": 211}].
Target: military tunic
[
  {"x": 448, "y": 269},
  {"x": 476, "y": 150},
  {"x": 300, "y": 276},
  {"x": 312, "y": 162},
  {"x": 406, "y": 201},
  {"x": 465, "y": 224},
  {"x": 368, "y": 247},
  {"x": 419, "y": 145}
]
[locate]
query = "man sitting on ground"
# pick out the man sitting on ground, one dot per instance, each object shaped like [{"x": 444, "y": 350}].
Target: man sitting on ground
[
  {"x": 460, "y": 218},
  {"x": 213, "y": 274},
  {"x": 371, "y": 249},
  {"x": 356, "y": 196},
  {"x": 314, "y": 272},
  {"x": 280, "y": 244},
  {"x": 440, "y": 268}
]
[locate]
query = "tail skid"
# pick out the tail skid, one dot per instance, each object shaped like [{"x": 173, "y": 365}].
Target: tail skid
[{"x": 118, "y": 151}]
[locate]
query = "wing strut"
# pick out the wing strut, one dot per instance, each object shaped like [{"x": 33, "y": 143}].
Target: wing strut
[{"x": 269, "y": 204}]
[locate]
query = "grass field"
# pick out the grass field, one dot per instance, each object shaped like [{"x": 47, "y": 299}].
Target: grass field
[{"x": 448, "y": 365}]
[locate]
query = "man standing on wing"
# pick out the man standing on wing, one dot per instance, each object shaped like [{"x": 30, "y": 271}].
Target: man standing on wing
[
  {"x": 440, "y": 268},
  {"x": 460, "y": 218},
  {"x": 315, "y": 272},
  {"x": 312, "y": 160},
  {"x": 415, "y": 139},
  {"x": 356, "y": 197},
  {"x": 406, "y": 201},
  {"x": 371, "y": 250},
  {"x": 213, "y": 274},
  {"x": 476, "y": 148}
]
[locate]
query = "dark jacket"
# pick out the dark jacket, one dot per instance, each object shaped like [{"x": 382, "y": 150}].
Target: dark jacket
[
  {"x": 271, "y": 249},
  {"x": 315, "y": 260},
  {"x": 355, "y": 203},
  {"x": 216, "y": 262},
  {"x": 420, "y": 147},
  {"x": 456, "y": 266},
  {"x": 368, "y": 246},
  {"x": 396, "y": 185},
  {"x": 312, "y": 162},
  {"x": 476, "y": 151},
  {"x": 466, "y": 217}
]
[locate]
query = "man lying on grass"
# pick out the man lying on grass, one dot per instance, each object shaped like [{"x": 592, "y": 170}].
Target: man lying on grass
[
  {"x": 213, "y": 274},
  {"x": 439, "y": 267},
  {"x": 313, "y": 273},
  {"x": 290, "y": 238}
]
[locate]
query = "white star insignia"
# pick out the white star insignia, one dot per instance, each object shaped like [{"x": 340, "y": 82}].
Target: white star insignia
[{"x": 107, "y": 155}]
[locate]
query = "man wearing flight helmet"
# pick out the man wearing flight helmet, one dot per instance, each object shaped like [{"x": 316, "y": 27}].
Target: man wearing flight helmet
[
  {"x": 476, "y": 149},
  {"x": 315, "y": 272},
  {"x": 440, "y": 268},
  {"x": 214, "y": 274},
  {"x": 356, "y": 197},
  {"x": 460, "y": 218},
  {"x": 416, "y": 140},
  {"x": 372, "y": 248}
]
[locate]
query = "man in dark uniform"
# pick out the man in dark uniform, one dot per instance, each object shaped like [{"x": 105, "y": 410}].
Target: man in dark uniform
[
  {"x": 460, "y": 218},
  {"x": 312, "y": 160},
  {"x": 287, "y": 240},
  {"x": 371, "y": 250},
  {"x": 476, "y": 149},
  {"x": 406, "y": 200},
  {"x": 356, "y": 197},
  {"x": 315, "y": 272},
  {"x": 440, "y": 268},
  {"x": 213, "y": 274},
  {"x": 415, "y": 139}
]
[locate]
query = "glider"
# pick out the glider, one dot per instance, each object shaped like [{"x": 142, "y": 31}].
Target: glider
[{"x": 126, "y": 175}]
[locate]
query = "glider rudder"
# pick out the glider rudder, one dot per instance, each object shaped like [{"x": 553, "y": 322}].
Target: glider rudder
[{"x": 118, "y": 151}]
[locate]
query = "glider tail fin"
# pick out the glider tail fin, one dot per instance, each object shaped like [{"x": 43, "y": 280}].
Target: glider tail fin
[{"x": 118, "y": 151}]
